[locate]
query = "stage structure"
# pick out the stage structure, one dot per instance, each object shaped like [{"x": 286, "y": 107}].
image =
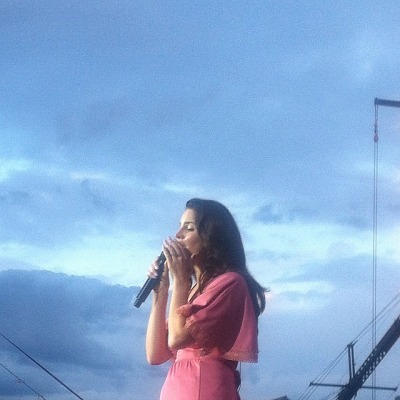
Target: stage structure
[{"x": 379, "y": 351}]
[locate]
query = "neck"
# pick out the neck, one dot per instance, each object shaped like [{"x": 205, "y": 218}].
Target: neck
[{"x": 197, "y": 272}]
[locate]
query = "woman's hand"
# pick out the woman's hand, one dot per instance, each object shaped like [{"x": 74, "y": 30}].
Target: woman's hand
[
  {"x": 154, "y": 272},
  {"x": 179, "y": 261},
  {"x": 180, "y": 265}
]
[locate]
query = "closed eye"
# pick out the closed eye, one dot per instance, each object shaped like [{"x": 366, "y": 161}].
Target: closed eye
[{"x": 189, "y": 226}]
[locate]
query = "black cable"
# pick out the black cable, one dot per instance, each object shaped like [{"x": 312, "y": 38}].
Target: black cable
[
  {"x": 42, "y": 367},
  {"x": 21, "y": 381}
]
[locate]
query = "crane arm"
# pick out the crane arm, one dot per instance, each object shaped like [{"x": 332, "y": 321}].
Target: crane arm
[{"x": 372, "y": 361}]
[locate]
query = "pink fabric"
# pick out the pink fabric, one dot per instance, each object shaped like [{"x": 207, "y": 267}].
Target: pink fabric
[{"x": 224, "y": 328}]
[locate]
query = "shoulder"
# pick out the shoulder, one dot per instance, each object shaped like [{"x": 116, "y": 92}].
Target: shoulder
[{"x": 232, "y": 279}]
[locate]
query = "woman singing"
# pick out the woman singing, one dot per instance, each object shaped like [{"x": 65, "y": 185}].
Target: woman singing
[{"x": 213, "y": 310}]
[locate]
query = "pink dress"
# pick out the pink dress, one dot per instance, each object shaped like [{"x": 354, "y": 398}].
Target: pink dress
[{"x": 224, "y": 327}]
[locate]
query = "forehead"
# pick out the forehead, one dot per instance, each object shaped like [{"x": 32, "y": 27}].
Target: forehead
[{"x": 188, "y": 216}]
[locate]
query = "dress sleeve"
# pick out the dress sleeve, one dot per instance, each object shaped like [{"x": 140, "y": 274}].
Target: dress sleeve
[{"x": 223, "y": 318}]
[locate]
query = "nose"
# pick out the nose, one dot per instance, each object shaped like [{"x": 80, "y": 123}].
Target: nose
[{"x": 179, "y": 234}]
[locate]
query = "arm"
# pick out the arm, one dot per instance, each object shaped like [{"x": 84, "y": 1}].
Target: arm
[
  {"x": 157, "y": 351},
  {"x": 181, "y": 269},
  {"x": 178, "y": 335}
]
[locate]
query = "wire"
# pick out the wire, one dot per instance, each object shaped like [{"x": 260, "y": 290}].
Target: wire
[
  {"x": 19, "y": 380},
  {"x": 382, "y": 315},
  {"x": 388, "y": 103},
  {"x": 312, "y": 388},
  {"x": 375, "y": 241},
  {"x": 373, "y": 323},
  {"x": 42, "y": 367}
]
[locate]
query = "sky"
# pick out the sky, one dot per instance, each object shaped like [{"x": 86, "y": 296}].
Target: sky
[{"x": 114, "y": 113}]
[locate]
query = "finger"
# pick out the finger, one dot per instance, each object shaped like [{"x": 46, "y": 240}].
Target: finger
[
  {"x": 177, "y": 249},
  {"x": 154, "y": 270},
  {"x": 167, "y": 252},
  {"x": 170, "y": 249}
]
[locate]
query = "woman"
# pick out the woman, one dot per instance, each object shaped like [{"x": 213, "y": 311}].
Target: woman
[{"x": 213, "y": 310}]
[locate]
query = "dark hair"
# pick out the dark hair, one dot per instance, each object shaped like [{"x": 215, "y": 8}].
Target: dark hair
[{"x": 222, "y": 247}]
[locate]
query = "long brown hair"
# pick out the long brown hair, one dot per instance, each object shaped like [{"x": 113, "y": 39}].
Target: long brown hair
[{"x": 223, "y": 249}]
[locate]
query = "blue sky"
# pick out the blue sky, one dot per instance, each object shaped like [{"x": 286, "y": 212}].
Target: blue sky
[{"x": 113, "y": 114}]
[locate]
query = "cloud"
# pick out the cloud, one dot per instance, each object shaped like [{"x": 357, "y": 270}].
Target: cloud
[
  {"x": 114, "y": 114},
  {"x": 87, "y": 333},
  {"x": 56, "y": 320},
  {"x": 68, "y": 324},
  {"x": 11, "y": 166},
  {"x": 34, "y": 206}
]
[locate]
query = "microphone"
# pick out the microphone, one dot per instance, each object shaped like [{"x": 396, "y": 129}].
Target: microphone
[{"x": 151, "y": 282}]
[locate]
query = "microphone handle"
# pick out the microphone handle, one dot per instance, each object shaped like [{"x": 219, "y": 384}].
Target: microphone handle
[{"x": 150, "y": 283}]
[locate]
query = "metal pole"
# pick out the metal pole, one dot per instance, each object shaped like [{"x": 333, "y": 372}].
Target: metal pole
[{"x": 387, "y": 103}]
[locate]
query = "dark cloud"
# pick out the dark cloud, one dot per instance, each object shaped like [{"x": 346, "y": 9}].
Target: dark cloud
[
  {"x": 45, "y": 208},
  {"x": 87, "y": 333},
  {"x": 54, "y": 316},
  {"x": 69, "y": 324},
  {"x": 349, "y": 202},
  {"x": 56, "y": 208},
  {"x": 276, "y": 214},
  {"x": 92, "y": 123}
]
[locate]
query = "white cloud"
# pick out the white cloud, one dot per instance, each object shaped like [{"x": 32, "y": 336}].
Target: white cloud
[
  {"x": 121, "y": 258},
  {"x": 10, "y": 166}
]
